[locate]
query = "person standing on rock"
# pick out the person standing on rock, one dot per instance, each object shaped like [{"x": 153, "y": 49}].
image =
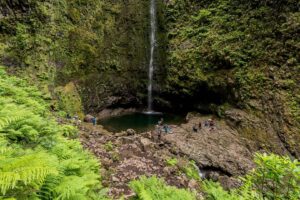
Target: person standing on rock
[
  {"x": 212, "y": 124},
  {"x": 160, "y": 122},
  {"x": 158, "y": 131},
  {"x": 200, "y": 125},
  {"x": 94, "y": 121},
  {"x": 167, "y": 129},
  {"x": 68, "y": 116},
  {"x": 206, "y": 123}
]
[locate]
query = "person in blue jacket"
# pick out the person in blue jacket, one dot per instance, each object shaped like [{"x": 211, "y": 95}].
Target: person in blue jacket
[{"x": 94, "y": 120}]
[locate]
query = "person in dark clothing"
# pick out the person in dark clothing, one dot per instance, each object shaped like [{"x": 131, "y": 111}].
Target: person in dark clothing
[
  {"x": 211, "y": 123},
  {"x": 68, "y": 116},
  {"x": 94, "y": 121},
  {"x": 52, "y": 107},
  {"x": 206, "y": 123},
  {"x": 200, "y": 125}
]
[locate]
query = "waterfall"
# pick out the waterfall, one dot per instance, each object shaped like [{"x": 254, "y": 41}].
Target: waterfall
[{"x": 151, "y": 62}]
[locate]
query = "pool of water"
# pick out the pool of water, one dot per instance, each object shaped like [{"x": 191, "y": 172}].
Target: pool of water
[{"x": 140, "y": 122}]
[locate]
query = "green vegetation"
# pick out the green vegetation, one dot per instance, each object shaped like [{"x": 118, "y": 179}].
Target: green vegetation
[
  {"x": 240, "y": 39},
  {"x": 275, "y": 177},
  {"x": 192, "y": 171},
  {"x": 153, "y": 189},
  {"x": 36, "y": 160},
  {"x": 172, "y": 161},
  {"x": 109, "y": 146},
  {"x": 91, "y": 54}
]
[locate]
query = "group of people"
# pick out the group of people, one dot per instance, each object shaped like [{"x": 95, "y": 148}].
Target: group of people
[
  {"x": 75, "y": 119},
  {"x": 166, "y": 128},
  {"x": 210, "y": 123},
  {"x": 162, "y": 127}
]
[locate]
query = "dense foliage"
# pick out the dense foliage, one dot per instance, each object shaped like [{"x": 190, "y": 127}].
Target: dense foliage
[
  {"x": 238, "y": 38},
  {"x": 274, "y": 177},
  {"x": 154, "y": 188},
  {"x": 36, "y": 160}
]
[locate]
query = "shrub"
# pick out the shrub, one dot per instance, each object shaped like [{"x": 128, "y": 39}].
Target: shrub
[
  {"x": 192, "y": 171},
  {"x": 172, "y": 162},
  {"x": 153, "y": 189},
  {"x": 275, "y": 177},
  {"x": 36, "y": 160}
]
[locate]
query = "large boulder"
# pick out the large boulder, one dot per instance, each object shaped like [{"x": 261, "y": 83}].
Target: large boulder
[{"x": 88, "y": 118}]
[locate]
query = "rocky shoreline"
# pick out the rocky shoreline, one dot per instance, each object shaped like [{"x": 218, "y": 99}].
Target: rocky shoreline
[{"x": 221, "y": 154}]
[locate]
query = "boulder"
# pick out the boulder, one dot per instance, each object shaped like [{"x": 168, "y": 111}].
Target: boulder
[
  {"x": 130, "y": 132},
  {"x": 146, "y": 143},
  {"x": 88, "y": 118},
  {"x": 193, "y": 184}
]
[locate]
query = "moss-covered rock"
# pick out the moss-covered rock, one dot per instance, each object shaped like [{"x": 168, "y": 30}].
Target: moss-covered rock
[
  {"x": 100, "y": 45},
  {"x": 242, "y": 54}
]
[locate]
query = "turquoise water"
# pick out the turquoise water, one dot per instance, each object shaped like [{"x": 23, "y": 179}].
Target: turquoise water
[{"x": 140, "y": 122}]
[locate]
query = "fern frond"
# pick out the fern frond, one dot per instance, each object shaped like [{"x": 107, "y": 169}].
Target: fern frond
[{"x": 26, "y": 169}]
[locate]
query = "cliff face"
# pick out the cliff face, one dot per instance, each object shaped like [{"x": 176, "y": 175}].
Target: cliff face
[
  {"x": 239, "y": 59},
  {"x": 100, "y": 48}
]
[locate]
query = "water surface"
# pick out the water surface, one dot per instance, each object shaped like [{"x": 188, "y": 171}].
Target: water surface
[{"x": 140, "y": 122}]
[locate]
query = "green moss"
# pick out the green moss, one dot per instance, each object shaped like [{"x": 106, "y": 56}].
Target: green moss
[
  {"x": 69, "y": 100},
  {"x": 57, "y": 42},
  {"x": 210, "y": 43}
]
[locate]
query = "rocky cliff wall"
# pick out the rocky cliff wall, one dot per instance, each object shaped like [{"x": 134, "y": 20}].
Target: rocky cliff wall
[
  {"x": 240, "y": 60},
  {"x": 100, "y": 47}
]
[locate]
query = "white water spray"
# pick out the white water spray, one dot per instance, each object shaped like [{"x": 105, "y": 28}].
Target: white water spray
[{"x": 151, "y": 62}]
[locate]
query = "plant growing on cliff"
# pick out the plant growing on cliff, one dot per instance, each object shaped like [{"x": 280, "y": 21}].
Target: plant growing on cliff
[{"x": 275, "y": 177}]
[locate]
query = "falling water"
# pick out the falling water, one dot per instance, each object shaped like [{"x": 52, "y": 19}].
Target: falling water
[{"x": 151, "y": 62}]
